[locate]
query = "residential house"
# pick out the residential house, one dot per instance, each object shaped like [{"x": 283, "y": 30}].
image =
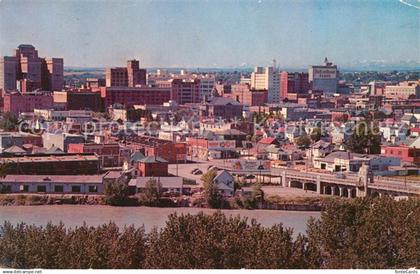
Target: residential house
[{"x": 224, "y": 182}]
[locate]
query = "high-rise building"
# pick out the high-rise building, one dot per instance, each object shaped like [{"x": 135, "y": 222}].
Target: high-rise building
[
  {"x": 8, "y": 72},
  {"x": 207, "y": 83},
  {"x": 185, "y": 91},
  {"x": 324, "y": 77},
  {"x": 55, "y": 69},
  {"x": 284, "y": 84},
  {"x": 26, "y": 71},
  {"x": 129, "y": 76},
  {"x": 269, "y": 79}
]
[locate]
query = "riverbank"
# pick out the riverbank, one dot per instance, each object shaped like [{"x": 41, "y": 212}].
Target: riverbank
[{"x": 272, "y": 202}]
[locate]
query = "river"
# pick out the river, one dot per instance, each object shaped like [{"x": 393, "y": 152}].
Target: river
[{"x": 75, "y": 215}]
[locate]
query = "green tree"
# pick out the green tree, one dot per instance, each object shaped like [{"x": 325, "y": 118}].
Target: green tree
[
  {"x": 211, "y": 193},
  {"x": 116, "y": 192},
  {"x": 303, "y": 141},
  {"x": 316, "y": 134},
  {"x": 152, "y": 192},
  {"x": 365, "y": 138},
  {"x": 8, "y": 122},
  {"x": 211, "y": 241},
  {"x": 366, "y": 233}
]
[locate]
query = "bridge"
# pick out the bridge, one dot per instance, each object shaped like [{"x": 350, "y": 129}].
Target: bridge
[
  {"x": 360, "y": 184},
  {"x": 354, "y": 185}
]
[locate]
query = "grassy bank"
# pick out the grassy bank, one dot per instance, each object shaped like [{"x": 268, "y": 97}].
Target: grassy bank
[
  {"x": 272, "y": 202},
  {"x": 50, "y": 199}
]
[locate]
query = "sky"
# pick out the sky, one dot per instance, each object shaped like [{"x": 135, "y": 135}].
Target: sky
[{"x": 216, "y": 33}]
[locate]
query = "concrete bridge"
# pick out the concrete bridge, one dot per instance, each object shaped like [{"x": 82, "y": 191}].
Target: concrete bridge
[
  {"x": 360, "y": 185},
  {"x": 351, "y": 185}
]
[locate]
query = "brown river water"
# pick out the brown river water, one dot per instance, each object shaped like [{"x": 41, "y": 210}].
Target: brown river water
[{"x": 75, "y": 215}]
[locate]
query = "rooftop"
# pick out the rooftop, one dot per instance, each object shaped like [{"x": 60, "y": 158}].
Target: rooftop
[{"x": 65, "y": 179}]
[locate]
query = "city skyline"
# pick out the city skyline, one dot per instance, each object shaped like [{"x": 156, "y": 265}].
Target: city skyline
[{"x": 230, "y": 34}]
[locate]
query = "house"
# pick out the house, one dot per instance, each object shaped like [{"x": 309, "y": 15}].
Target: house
[
  {"x": 403, "y": 152},
  {"x": 264, "y": 143},
  {"x": 147, "y": 166},
  {"x": 415, "y": 132},
  {"x": 15, "y": 150},
  {"x": 285, "y": 153},
  {"x": 224, "y": 182},
  {"x": 394, "y": 132},
  {"x": 408, "y": 119},
  {"x": 8, "y": 139},
  {"x": 275, "y": 153},
  {"x": 347, "y": 161},
  {"x": 58, "y": 184},
  {"x": 319, "y": 149}
]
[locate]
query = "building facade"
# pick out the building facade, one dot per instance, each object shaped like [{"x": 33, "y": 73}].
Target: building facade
[
  {"x": 17, "y": 103},
  {"x": 324, "y": 77},
  {"x": 185, "y": 91},
  {"x": 129, "y": 76},
  {"x": 26, "y": 72},
  {"x": 130, "y": 96},
  {"x": 269, "y": 79}
]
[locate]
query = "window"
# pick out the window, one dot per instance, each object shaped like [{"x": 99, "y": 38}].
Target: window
[
  {"x": 93, "y": 189},
  {"x": 41, "y": 189},
  {"x": 6, "y": 189},
  {"x": 58, "y": 188},
  {"x": 75, "y": 189},
  {"x": 24, "y": 188}
]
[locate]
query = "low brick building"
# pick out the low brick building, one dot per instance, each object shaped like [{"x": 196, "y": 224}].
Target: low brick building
[
  {"x": 219, "y": 107},
  {"x": 109, "y": 154},
  {"x": 17, "y": 103},
  {"x": 130, "y": 96},
  {"x": 150, "y": 146},
  {"x": 58, "y": 164}
]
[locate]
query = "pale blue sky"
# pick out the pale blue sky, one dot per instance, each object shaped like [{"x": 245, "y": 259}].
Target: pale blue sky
[{"x": 175, "y": 33}]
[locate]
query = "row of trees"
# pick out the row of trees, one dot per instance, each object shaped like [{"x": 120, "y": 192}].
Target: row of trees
[
  {"x": 117, "y": 193},
  {"x": 361, "y": 233}
]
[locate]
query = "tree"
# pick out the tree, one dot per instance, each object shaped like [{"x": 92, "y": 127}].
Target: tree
[
  {"x": 365, "y": 138},
  {"x": 303, "y": 141},
  {"x": 8, "y": 121},
  {"x": 211, "y": 193},
  {"x": 355, "y": 233},
  {"x": 316, "y": 134},
  {"x": 116, "y": 192},
  {"x": 152, "y": 192},
  {"x": 366, "y": 233},
  {"x": 257, "y": 192},
  {"x": 256, "y": 196}
]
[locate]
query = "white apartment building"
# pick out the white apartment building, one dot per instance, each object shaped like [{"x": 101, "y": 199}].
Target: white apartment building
[{"x": 267, "y": 78}]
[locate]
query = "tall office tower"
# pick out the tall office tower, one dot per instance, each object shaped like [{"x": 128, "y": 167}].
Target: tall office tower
[
  {"x": 116, "y": 77},
  {"x": 284, "y": 84},
  {"x": 29, "y": 73},
  {"x": 269, "y": 79},
  {"x": 8, "y": 72},
  {"x": 55, "y": 67},
  {"x": 324, "y": 77},
  {"x": 136, "y": 76},
  {"x": 26, "y": 71},
  {"x": 129, "y": 76}
]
